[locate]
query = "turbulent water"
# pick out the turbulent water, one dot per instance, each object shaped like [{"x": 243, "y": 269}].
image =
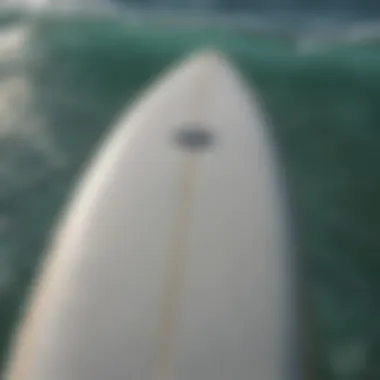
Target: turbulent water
[{"x": 63, "y": 80}]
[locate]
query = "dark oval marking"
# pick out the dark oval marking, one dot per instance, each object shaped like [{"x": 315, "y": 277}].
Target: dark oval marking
[{"x": 194, "y": 137}]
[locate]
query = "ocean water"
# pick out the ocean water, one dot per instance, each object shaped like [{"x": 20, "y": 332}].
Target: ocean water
[{"x": 65, "y": 77}]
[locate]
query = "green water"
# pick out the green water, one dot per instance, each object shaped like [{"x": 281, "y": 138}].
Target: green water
[{"x": 64, "y": 86}]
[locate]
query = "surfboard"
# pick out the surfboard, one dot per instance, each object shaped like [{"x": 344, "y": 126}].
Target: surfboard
[{"x": 174, "y": 260}]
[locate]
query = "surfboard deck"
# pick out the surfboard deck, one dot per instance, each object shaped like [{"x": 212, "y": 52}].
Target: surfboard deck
[{"x": 174, "y": 259}]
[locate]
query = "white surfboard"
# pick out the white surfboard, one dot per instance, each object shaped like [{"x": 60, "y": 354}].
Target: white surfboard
[{"x": 173, "y": 262}]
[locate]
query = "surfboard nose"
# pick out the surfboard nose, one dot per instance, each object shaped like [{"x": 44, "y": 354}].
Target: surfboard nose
[
  {"x": 214, "y": 68},
  {"x": 203, "y": 89},
  {"x": 208, "y": 57},
  {"x": 211, "y": 62}
]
